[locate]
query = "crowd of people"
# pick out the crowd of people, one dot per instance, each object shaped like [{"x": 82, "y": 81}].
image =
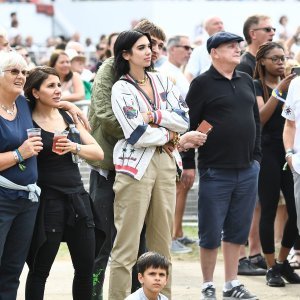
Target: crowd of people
[{"x": 148, "y": 94}]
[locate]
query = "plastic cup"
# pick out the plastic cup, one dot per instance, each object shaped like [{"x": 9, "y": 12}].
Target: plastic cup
[
  {"x": 33, "y": 132},
  {"x": 58, "y": 135}
]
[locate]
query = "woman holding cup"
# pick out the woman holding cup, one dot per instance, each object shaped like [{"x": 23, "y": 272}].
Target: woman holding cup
[
  {"x": 18, "y": 173},
  {"x": 65, "y": 210}
]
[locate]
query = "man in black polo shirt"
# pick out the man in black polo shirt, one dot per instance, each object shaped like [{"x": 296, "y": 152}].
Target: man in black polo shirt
[{"x": 228, "y": 163}]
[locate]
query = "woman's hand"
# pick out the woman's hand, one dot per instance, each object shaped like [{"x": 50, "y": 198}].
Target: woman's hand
[
  {"x": 283, "y": 85},
  {"x": 77, "y": 114},
  {"x": 192, "y": 139},
  {"x": 31, "y": 147},
  {"x": 65, "y": 145}
]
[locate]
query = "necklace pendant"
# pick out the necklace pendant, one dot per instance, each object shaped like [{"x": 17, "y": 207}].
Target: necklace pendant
[{"x": 9, "y": 111}]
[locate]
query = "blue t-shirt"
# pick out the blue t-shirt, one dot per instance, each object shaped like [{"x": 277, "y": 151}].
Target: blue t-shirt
[{"x": 12, "y": 135}]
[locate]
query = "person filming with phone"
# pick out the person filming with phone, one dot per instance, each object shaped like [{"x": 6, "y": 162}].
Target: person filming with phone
[{"x": 228, "y": 162}]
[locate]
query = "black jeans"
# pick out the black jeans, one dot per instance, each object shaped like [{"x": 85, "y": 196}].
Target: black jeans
[
  {"x": 17, "y": 218},
  {"x": 81, "y": 243},
  {"x": 102, "y": 194},
  {"x": 271, "y": 179}
]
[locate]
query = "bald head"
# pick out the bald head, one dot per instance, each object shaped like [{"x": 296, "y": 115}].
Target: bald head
[{"x": 213, "y": 25}]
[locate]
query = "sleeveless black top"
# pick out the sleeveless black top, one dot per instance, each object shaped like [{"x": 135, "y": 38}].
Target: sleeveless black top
[{"x": 57, "y": 172}]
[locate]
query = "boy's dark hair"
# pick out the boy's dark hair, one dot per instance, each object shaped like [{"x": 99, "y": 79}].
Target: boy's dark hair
[{"x": 154, "y": 260}]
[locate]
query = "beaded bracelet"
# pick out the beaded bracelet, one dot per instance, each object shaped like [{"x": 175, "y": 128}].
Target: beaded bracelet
[
  {"x": 176, "y": 139},
  {"x": 150, "y": 117}
]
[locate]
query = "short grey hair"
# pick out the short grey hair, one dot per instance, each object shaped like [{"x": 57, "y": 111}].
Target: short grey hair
[
  {"x": 11, "y": 59},
  {"x": 174, "y": 41}
]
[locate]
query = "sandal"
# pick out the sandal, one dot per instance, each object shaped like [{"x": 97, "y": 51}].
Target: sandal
[{"x": 295, "y": 260}]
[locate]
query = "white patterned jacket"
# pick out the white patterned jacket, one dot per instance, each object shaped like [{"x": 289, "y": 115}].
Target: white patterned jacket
[{"x": 133, "y": 154}]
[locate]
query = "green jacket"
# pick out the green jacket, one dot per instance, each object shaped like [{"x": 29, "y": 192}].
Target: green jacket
[{"x": 105, "y": 127}]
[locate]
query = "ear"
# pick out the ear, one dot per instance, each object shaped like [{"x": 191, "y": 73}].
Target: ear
[
  {"x": 126, "y": 55},
  {"x": 252, "y": 34},
  {"x": 141, "y": 278},
  {"x": 35, "y": 93},
  {"x": 214, "y": 53}
]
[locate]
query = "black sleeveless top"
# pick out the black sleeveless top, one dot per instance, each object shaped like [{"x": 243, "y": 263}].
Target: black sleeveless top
[{"x": 57, "y": 172}]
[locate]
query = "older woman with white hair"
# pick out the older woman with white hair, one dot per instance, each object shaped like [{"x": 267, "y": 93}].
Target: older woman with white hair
[{"x": 18, "y": 173}]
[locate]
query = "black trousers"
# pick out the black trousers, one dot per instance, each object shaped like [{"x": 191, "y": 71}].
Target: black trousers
[
  {"x": 102, "y": 194},
  {"x": 81, "y": 243},
  {"x": 272, "y": 179}
]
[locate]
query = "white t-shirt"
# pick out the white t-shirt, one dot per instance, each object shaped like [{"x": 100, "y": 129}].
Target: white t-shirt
[
  {"x": 291, "y": 112},
  {"x": 176, "y": 76},
  {"x": 140, "y": 295},
  {"x": 199, "y": 62}
]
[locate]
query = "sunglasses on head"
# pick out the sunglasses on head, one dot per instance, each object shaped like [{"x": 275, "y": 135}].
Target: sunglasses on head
[
  {"x": 266, "y": 29},
  {"x": 16, "y": 72},
  {"x": 187, "y": 48}
]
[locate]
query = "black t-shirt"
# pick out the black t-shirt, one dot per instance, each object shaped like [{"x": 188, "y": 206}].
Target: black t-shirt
[
  {"x": 247, "y": 64},
  {"x": 231, "y": 107},
  {"x": 273, "y": 128},
  {"x": 57, "y": 172}
]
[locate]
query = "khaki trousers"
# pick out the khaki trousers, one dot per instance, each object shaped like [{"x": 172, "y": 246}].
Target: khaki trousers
[{"x": 152, "y": 201}]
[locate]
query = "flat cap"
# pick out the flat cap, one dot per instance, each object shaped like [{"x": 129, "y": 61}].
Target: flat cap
[{"x": 220, "y": 38}]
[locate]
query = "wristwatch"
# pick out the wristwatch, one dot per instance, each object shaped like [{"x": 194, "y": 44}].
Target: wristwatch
[{"x": 78, "y": 148}]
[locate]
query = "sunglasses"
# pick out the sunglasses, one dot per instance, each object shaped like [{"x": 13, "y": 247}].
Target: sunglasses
[
  {"x": 16, "y": 72},
  {"x": 266, "y": 29},
  {"x": 187, "y": 48},
  {"x": 276, "y": 59}
]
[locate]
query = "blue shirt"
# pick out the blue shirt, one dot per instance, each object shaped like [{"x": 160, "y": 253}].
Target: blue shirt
[{"x": 12, "y": 135}]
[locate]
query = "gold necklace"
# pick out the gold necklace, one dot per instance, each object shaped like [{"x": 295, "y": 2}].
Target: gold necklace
[
  {"x": 9, "y": 111},
  {"x": 141, "y": 82}
]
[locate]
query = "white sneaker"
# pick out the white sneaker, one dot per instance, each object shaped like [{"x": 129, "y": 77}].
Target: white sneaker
[{"x": 178, "y": 248}]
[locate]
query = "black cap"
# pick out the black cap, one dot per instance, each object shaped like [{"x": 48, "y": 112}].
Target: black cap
[{"x": 220, "y": 38}]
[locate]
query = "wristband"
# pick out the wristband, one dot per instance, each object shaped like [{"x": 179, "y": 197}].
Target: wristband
[
  {"x": 277, "y": 94},
  {"x": 21, "y": 159},
  {"x": 288, "y": 154},
  {"x": 21, "y": 166},
  {"x": 15, "y": 156}
]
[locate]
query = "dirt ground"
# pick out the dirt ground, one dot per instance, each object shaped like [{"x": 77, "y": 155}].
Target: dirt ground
[{"x": 186, "y": 281}]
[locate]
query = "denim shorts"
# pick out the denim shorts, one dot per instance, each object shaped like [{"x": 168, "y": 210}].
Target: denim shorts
[{"x": 226, "y": 203}]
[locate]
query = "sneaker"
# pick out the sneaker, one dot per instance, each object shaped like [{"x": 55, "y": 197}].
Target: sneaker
[
  {"x": 258, "y": 261},
  {"x": 273, "y": 277},
  {"x": 288, "y": 273},
  {"x": 178, "y": 248},
  {"x": 209, "y": 293},
  {"x": 186, "y": 240},
  {"x": 238, "y": 292},
  {"x": 247, "y": 268}
]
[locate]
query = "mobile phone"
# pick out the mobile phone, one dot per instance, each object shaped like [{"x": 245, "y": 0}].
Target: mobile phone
[
  {"x": 205, "y": 127},
  {"x": 296, "y": 70}
]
